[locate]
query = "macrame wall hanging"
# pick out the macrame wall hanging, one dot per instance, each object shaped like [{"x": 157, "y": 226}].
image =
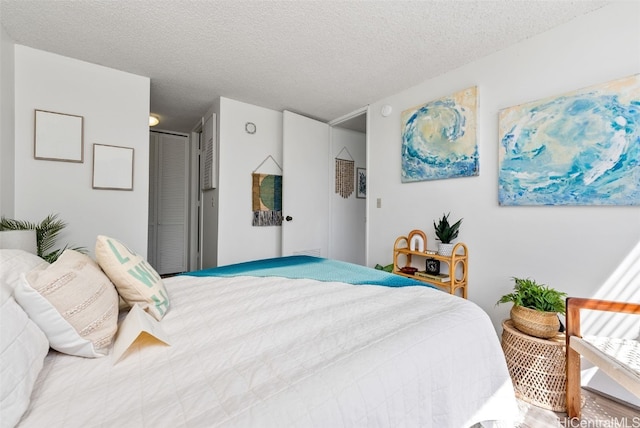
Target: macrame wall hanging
[
  {"x": 344, "y": 174},
  {"x": 266, "y": 196}
]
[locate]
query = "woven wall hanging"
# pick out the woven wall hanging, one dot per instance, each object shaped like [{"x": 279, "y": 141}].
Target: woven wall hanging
[
  {"x": 344, "y": 175},
  {"x": 266, "y": 197}
]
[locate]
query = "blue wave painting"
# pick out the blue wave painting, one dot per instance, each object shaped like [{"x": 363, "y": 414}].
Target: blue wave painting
[
  {"x": 439, "y": 138},
  {"x": 581, "y": 148}
]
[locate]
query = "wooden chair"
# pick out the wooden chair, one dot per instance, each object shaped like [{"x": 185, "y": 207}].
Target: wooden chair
[{"x": 623, "y": 367}]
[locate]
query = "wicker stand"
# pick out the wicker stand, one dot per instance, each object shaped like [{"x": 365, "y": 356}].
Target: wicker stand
[{"x": 537, "y": 367}]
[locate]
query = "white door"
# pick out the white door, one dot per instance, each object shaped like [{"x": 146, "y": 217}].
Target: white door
[
  {"x": 168, "y": 202},
  {"x": 305, "y": 186}
]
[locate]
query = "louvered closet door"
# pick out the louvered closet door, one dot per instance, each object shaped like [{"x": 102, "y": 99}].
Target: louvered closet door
[{"x": 172, "y": 154}]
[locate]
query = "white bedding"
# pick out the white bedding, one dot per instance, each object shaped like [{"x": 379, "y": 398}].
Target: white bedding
[{"x": 275, "y": 352}]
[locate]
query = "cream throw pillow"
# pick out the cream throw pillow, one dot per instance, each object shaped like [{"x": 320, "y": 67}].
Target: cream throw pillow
[
  {"x": 74, "y": 304},
  {"x": 135, "y": 279}
]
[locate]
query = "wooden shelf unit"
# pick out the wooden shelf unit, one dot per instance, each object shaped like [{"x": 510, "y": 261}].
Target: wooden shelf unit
[{"x": 457, "y": 263}]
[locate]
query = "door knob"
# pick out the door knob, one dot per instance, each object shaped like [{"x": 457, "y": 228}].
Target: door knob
[{"x": 288, "y": 218}]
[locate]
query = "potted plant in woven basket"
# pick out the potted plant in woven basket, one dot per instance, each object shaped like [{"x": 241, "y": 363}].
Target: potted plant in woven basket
[
  {"x": 446, "y": 233},
  {"x": 535, "y": 308}
]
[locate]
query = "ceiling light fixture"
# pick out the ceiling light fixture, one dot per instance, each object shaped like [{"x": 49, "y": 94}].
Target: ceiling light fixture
[{"x": 153, "y": 121}]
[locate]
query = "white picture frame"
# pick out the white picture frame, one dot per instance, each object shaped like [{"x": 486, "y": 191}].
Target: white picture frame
[
  {"x": 58, "y": 137},
  {"x": 112, "y": 167}
]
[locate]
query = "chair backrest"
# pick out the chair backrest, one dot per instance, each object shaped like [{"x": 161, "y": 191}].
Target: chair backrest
[{"x": 618, "y": 370}]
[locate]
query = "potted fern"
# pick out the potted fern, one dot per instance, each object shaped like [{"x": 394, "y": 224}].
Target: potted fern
[
  {"x": 535, "y": 307},
  {"x": 47, "y": 232},
  {"x": 446, "y": 233}
]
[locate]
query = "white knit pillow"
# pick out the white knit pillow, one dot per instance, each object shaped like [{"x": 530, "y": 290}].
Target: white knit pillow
[
  {"x": 135, "y": 279},
  {"x": 23, "y": 345},
  {"x": 74, "y": 303},
  {"x": 13, "y": 263}
]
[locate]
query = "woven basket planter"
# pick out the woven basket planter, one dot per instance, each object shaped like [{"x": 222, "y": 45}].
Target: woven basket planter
[
  {"x": 537, "y": 367},
  {"x": 535, "y": 323}
]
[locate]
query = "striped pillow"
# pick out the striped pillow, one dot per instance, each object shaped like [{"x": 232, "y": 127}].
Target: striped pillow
[{"x": 74, "y": 304}]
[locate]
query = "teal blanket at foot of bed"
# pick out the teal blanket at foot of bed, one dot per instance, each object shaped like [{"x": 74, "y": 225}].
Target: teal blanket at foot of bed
[{"x": 317, "y": 268}]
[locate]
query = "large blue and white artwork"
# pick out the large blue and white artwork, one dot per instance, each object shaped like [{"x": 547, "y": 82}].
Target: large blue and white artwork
[
  {"x": 439, "y": 138},
  {"x": 580, "y": 148}
]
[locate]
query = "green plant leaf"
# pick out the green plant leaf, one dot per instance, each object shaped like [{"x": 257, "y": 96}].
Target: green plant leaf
[
  {"x": 529, "y": 294},
  {"x": 47, "y": 232},
  {"x": 446, "y": 232}
]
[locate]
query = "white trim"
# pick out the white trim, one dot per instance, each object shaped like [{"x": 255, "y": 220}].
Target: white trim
[{"x": 360, "y": 111}]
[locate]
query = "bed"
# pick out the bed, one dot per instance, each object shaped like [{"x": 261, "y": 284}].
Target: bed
[{"x": 295, "y": 341}]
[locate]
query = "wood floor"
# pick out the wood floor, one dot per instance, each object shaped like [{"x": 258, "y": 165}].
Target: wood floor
[{"x": 598, "y": 411}]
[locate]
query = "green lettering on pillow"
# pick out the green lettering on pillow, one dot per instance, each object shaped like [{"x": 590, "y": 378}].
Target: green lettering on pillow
[
  {"x": 161, "y": 305},
  {"x": 115, "y": 251},
  {"x": 143, "y": 273}
]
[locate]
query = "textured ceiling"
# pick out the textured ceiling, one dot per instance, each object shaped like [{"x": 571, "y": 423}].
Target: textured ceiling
[{"x": 323, "y": 59}]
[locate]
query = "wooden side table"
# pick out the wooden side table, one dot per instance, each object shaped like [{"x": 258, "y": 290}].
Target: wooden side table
[{"x": 537, "y": 367}]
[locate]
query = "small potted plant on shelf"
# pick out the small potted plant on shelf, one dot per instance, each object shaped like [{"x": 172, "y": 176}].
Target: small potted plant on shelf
[
  {"x": 535, "y": 308},
  {"x": 446, "y": 233}
]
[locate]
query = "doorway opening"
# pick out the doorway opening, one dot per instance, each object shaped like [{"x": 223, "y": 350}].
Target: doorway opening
[{"x": 348, "y": 226}]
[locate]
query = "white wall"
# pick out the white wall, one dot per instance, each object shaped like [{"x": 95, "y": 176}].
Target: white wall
[
  {"x": 240, "y": 154},
  {"x": 115, "y": 106},
  {"x": 347, "y": 241},
  {"x": 574, "y": 249},
  {"x": 7, "y": 135}
]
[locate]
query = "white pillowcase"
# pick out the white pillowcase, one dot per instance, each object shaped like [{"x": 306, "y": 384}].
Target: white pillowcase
[
  {"x": 74, "y": 303},
  {"x": 23, "y": 346},
  {"x": 13, "y": 263},
  {"x": 135, "y": 279}
]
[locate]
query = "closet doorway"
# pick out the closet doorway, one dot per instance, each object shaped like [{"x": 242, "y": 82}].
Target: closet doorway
[{"x": 168, "y": 202}]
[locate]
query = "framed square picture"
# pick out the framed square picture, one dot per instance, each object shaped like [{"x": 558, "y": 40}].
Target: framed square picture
[
  {"x": 361, "y": 183},
  {"x": 58, "y": 137},
  {"x": 112, "y": 167}
]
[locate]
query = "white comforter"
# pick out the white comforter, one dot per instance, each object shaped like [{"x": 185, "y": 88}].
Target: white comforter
[{"x": 274, "y": 352}]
